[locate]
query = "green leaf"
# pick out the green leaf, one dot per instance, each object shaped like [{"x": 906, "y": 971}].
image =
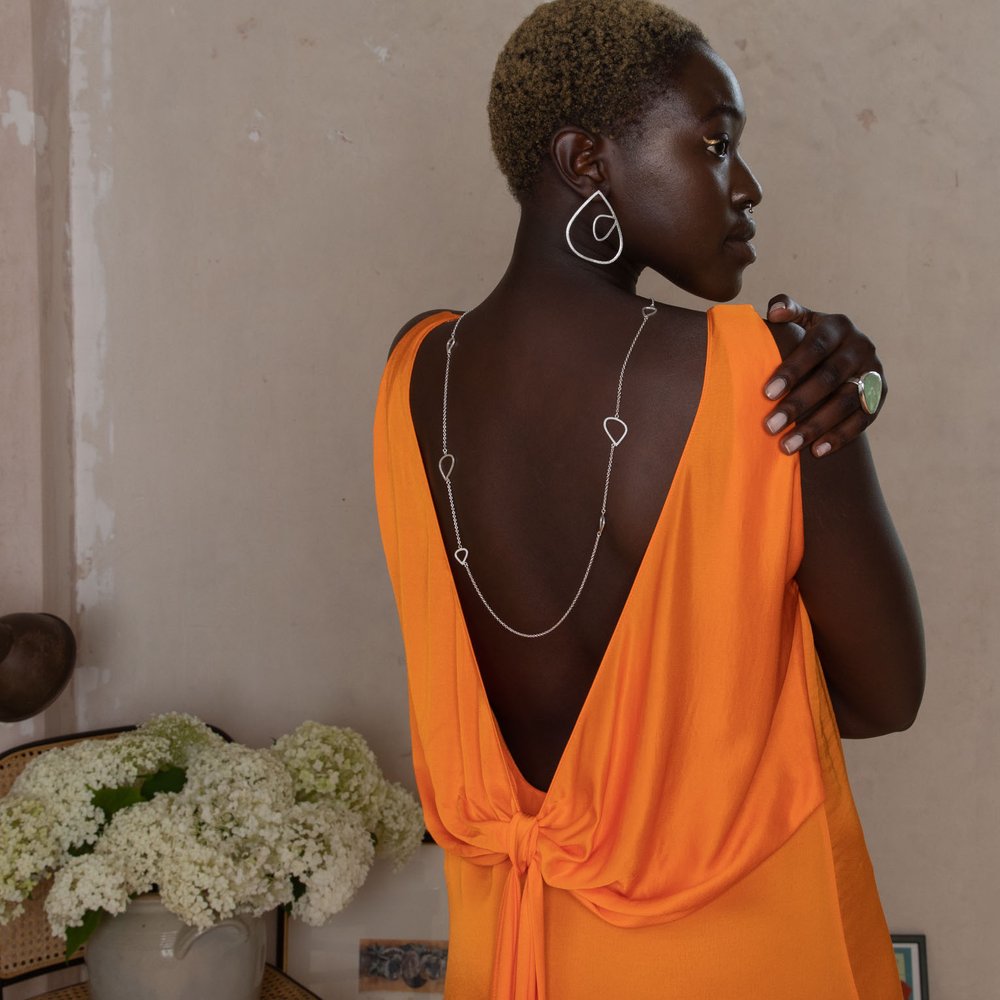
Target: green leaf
[
  {"x": 110, "y": 800},
  {"x": 298, "y": 888},
  {"x": 79, "y": 850},
  {"x": 170, "y": 779},
  {"x": 76, "y": 937}
]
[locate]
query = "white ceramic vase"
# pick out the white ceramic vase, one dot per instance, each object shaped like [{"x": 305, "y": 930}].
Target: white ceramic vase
[{"x": 148, "y": 953}]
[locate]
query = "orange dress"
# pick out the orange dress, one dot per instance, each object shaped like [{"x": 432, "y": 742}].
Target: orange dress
[{"x": 698, "y": 839}]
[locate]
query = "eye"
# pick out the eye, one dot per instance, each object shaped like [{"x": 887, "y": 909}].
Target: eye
[{"x": 718, "y": 146}]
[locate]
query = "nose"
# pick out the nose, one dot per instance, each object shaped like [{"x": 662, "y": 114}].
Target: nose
[{"x": 746, "y": 188}]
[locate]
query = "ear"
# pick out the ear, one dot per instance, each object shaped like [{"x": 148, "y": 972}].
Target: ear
[{"x": 578, "y": 157}]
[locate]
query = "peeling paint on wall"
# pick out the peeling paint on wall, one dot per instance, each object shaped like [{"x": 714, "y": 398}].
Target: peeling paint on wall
[
  {"x": 381, "y": 52},
  {"x": 254, "y": 134},
  {"x": 90, "y": 185},
  {"x": 19, "y": 115},
  {"x": 30, "y": 128}
]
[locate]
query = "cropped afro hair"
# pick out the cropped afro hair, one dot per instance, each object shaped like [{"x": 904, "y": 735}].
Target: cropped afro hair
[{"x": 591, "y": 63}]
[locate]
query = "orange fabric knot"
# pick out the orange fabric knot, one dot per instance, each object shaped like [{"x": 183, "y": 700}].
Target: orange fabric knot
[{"x": 522, "y": 841}]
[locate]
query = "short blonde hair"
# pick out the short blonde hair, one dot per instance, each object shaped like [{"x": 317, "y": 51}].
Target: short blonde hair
[{"x": 591, "y": 63}]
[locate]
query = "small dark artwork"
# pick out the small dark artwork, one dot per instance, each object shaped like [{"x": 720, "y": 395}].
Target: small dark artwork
[
  {"x": 911, "y": 959},
  {"x": 402, "y": 966}
]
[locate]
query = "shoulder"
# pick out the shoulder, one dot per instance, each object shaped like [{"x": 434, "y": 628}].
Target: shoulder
[
  {"x": 410, "y": 324},
  {"x": 744, "y": 320}
]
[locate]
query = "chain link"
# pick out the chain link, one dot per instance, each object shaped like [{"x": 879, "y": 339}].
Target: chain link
[{"x": 448, "y": 461}]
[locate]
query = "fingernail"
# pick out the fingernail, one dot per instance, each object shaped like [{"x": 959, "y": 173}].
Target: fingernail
[
  {"x": 822, "y": 449},
  {"x": 777, "y": 422},
  {"x": 793, "y": 444},
  {"x": 777, "y": 306},
  {"x": 775, "y": 388}
]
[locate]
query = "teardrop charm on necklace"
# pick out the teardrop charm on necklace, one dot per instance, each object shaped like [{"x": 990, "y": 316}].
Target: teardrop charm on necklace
[
  {"x": 616, "y": 429},
  {"x": 445, "y": 465},
  {"x": 462, "y": 555}
]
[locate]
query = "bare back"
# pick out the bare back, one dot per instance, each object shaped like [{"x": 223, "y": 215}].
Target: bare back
[{"x": 527, "y": 400}]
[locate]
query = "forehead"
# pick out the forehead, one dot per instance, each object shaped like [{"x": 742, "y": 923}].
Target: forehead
[{"x": 706, "y": 88}]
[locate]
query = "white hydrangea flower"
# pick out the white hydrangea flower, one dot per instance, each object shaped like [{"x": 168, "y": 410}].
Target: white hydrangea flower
[
  {"x": 246, "y": 827},
  {"x": 329, "y": 850},
  {"x": 220, "y": 857},
  {"x": 333, "y": 764},
  {"x": 29, "y": 848},
  {"x": 400, "y": 827},
  {"x": 65, "y": 780},
  {"x": 185, "y": 735},
  {"x": 91, "y": 882}
]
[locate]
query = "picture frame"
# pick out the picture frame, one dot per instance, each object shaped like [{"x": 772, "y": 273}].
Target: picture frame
[{"x": 911, "y": 959}]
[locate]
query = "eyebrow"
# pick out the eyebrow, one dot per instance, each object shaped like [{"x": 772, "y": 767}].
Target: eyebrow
[{"x": 719, "y": 110}]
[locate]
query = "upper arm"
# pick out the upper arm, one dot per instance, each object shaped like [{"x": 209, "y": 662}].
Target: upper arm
[{"x": 856, "y": 585}]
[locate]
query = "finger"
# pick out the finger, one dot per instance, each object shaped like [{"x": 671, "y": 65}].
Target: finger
[
  {"x": 822, "y": 383},
  {"x": 825, "y": 420},
  {"x": 784, "y": 309},
  {"x": 825, "y": 339},
  {"x": 844, "y": 433}
]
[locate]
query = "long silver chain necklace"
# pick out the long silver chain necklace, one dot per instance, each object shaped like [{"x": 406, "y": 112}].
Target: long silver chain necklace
[{"x": 614, "y": 427}]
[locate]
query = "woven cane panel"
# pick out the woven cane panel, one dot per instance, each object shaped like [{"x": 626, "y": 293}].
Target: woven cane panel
[
  {"x": 80, "y": 992},
  {"x": 26, "y": 944},
  {"x": 14, "y": 763},
  {"x": 276, "y": 987}
]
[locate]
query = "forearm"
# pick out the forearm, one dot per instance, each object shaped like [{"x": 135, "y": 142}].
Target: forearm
[{"x": 859, "y": 592}]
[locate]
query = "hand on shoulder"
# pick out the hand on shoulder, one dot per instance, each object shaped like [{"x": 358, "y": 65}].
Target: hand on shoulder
[{"x": 821, "y": 353}]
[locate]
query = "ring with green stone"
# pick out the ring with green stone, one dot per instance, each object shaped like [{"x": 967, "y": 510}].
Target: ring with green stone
[{"x": 869, "y": 391}]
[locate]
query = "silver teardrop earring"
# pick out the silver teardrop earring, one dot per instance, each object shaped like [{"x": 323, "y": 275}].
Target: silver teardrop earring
[{"x": 614, "y": 227}]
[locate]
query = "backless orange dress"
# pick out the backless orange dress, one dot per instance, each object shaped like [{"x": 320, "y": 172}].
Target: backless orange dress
[{"x": 698, "y": 839}]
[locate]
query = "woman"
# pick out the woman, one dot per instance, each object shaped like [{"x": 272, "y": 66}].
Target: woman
[{"x": 613, "y": 581}]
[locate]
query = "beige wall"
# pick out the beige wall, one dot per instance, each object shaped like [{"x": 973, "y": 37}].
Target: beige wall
[
  {"x": 256, "y": 197},
  {"x": 20, "y": 378}
]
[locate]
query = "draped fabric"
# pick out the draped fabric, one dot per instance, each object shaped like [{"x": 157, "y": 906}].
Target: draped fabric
[{"x": 705, "y": 753}]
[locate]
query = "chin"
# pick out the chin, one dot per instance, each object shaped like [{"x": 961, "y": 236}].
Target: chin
[
  {"x": 715, "y": 287},
  {"x": 722, "y": 291},
  {"x": 736, "y": 289}
]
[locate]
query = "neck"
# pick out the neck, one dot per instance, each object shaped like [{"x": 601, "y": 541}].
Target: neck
[{"x": 543, "y": 267}]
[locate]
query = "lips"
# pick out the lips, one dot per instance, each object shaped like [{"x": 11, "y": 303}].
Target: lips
[
  {"x": 739, "y": 239},
  {"x": 744, "y": 233}
]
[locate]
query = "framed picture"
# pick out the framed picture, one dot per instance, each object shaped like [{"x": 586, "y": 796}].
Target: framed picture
[
  {"x": 911, "y": 959},
  {"x": 397, "y": 966}
]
